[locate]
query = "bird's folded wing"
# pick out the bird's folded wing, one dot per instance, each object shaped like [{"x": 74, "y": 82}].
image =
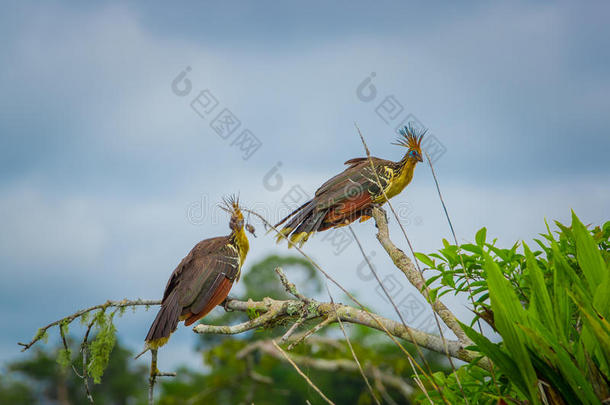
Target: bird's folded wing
[
  {"x": 187, "y": 269},
  {"x": 207, "y": 273},
  {"x": 352, "y": 188},
  {"x": 204, "y": 296}
]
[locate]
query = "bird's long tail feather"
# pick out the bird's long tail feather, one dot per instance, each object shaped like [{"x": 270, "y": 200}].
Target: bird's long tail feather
[
  {"x": 292, "y": 214},
  {"x": 303, "y": 223},
  {"x": 165, "y": 322}
]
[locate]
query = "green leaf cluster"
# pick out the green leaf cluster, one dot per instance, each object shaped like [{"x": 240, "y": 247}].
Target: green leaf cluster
[
  {"x": 101, "y": 347},
  {"x": 550, "y": 307}
]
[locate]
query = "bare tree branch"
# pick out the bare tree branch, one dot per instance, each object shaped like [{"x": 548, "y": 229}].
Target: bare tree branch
[
  {"x": 326, "y": 321},
  {"x": 84, "y": 350},
  {"x": 292, "y": 329},
  {"x": 154, "y": 373},
  {"x": 402, "y": 261},
  {"x": 400, "y": 315},
  {"x": 293, "y": 364},
  {"x": 68, "y": 319},
  {"x": 291, "y": 288},
  {"x": 350, "y": 295},
  {"x": 282, "y": 310}
]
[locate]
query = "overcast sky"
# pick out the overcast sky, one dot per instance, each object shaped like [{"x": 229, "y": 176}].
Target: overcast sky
[{"x": 109, "y": 176}]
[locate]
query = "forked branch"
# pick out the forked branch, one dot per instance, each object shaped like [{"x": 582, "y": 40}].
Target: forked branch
[{"x": 284, "y": 310}]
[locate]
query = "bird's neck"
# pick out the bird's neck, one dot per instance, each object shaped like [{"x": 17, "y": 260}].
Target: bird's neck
[
  {"x": 241, "y": 242},
  {"x": 407, "y": 161},
  {"x": 404, "y": 176},
  {"x": 407, "y": 167}
]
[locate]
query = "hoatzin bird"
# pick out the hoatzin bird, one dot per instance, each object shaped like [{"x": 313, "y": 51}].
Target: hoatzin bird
[
  {"x": 202, "y": 280},
  {"x": 352, "y": 194}
]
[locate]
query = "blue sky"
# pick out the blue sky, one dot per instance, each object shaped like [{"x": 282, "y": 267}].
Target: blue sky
[{"x": 108, "y": 178}]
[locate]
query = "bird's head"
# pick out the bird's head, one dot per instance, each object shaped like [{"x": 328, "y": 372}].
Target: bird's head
[
  {"x": 411, "y": 138},
  {"x": 230, "y": 204},
  {"x": 237, "y": 222}
]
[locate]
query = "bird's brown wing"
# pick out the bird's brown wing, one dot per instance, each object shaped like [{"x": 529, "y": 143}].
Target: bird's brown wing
[
  {"x": 202, "y": 248},
  {"x": 351, "y": 184},
  {"x": 339, "y": 201},
  {"x": 198, "y": 271},
  {"x": 200, "y": 280},
  {"x": 212, "y": 297},
  {"x": 218, "y": 269},
  {"x": 355, "y": 161},
  {"x": 214, "y": 276}
]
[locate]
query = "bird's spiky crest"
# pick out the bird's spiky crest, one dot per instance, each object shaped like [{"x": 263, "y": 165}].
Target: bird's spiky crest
[
  {"x": 230, "y": 204},
  {"x": 410, "y": 137}
]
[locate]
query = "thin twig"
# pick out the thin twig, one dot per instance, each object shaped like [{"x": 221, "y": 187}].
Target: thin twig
[
  {"x": 349, "y": 344},
  {"x": 292, "y": 329},
  {"x": 311, "y": 384},
  {"x": 326, "y": 321},
  {"x": 382, "y": 390},
  {"x": 421, "y": 386},
  {"x": 289, "y": 286},
  {"x": 459, "y": 252},
  {"x": 153, "y": 376},
  {"x": 84, "y": 347},
  {"x": 328, "y": 365}
]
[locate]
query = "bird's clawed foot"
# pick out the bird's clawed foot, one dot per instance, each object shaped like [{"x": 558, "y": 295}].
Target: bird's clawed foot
[
  {"x": 154, "y": 372},
  {"x": 225, "y": 303}
]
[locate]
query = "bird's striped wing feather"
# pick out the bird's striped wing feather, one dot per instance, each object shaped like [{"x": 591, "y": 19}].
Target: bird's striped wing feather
[{"x": 352, "y": 189}]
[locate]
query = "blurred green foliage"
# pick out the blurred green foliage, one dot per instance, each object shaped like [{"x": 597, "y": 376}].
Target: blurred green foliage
[{"x": 40, "y": 379}]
